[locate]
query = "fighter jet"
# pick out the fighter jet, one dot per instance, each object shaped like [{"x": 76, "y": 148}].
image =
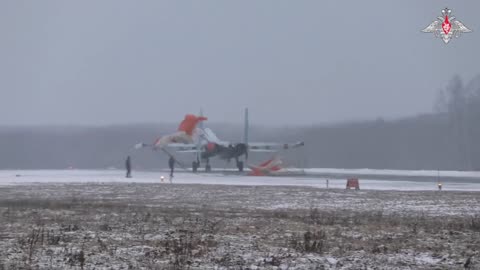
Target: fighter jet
[
  {"x": 208, "y": 145},
  {"x": 184, "y": 136}
]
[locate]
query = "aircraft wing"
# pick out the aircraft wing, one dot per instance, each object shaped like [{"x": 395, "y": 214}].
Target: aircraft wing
[
  {"x": 179, "y": 147},
  {"x": 193, "y": 150},
  {"x": 272, "y": 147},
  {"x": 183, "y": 147}
]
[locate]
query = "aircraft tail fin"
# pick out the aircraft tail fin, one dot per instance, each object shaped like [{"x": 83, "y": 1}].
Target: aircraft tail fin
[
  {"x": 245, "y": 127},
  {"x": 245, "y": 132},
  {"x": 210, "y": 136}
]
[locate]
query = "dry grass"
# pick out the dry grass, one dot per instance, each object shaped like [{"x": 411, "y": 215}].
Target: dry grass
[{"x": 168, "y": 227}]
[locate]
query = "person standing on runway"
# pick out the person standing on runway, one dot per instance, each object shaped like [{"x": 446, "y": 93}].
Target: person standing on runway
[
  {"x": 128, "y": 166},
  {"x": 171, "y": 164}
]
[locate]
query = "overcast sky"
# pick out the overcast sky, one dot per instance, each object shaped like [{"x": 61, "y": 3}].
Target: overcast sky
[{"x": 290, "y": 62}]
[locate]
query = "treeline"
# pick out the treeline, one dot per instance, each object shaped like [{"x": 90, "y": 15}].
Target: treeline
[
  {"x": 447, "y": 139},
  {"x": 460, "y": 102}
]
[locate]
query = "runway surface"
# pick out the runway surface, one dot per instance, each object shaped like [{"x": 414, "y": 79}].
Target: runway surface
[{"x": 397, "y": 182}]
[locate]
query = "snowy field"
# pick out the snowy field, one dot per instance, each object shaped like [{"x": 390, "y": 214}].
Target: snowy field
[
  {"x": 404, "y": 173},
  {"x": 85, "y": 219},
  {"x": 110, "y": 176}
]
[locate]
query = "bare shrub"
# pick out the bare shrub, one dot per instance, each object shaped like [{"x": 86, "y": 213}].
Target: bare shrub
[
  {"x": 474, "y": 224},
  {"x": 231, "y": 261},
  {"x": 314, "y": 242},
  {"x": 317, "y": 217},
  {"x": 75, "y": 258},
  {"x": 182, "y": 246},
  {"x": 104, "y": 227}
]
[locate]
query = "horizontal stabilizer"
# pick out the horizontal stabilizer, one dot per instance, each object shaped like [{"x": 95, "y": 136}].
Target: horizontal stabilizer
[{"x": 176, "y": 146}]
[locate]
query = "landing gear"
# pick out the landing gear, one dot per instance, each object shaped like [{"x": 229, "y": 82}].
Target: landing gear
[
  {"x": 208, "y": 168},
  {"x": 240, "y": 166},
  {"x": 195, "y": 166}
]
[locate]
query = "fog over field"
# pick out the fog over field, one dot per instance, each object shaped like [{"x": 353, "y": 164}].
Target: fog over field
[
  {"x": 446, "y": 139},
  {"x": 81, "y": 82}
]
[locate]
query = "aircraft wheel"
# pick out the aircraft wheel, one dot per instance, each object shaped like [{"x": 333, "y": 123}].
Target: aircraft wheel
[
  {"x": 208, "y": 168},
  {"x": 194, "y": 166},
  {"x": 240, "y": 166}
]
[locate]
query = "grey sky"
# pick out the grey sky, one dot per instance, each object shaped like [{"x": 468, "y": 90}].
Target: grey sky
[{"x": 290, "y": 62}]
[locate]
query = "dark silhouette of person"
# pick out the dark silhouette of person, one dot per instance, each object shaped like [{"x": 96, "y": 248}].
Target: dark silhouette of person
[
  {"x": 128, "y": 166},
  {"x": 171, "y": 164}
]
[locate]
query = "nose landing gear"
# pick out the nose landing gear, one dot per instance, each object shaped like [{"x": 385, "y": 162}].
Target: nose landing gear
[
  {"x": 208, "y": 168},
  {"x": 239, "y": 165},
  {"x": 195, "y": 165}
]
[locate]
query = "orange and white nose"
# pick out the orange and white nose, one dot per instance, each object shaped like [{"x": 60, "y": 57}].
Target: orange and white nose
[{"x": 157, "y": 142}]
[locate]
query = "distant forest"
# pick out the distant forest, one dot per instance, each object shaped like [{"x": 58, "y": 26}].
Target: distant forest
[{"x": 446, "y": 139}]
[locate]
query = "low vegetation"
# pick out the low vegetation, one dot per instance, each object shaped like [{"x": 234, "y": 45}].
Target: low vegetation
[{"x": 90, "y": 226}]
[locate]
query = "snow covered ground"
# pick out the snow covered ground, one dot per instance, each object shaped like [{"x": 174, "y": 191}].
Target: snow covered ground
[
  {"x": 469, "y": 183},
  {"x": 405, "y": 173},
  {"x": 69, "y": 219},
  {"x": 91, "y": 220}
]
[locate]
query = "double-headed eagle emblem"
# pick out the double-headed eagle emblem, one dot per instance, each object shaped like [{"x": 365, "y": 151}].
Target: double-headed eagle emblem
[{"x": 446, "y": 27}]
